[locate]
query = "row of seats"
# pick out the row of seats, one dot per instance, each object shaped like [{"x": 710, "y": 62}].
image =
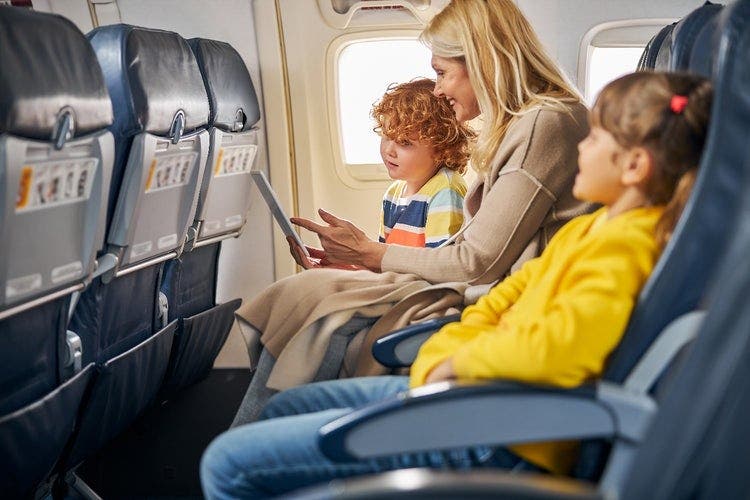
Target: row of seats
[
  {"x": 650, "y": 380},
  {"x": 125, "y": 157}
]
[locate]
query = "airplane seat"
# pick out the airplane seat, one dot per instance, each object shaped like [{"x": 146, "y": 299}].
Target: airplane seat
[
  {"x": 702, "y": 52},
  {"x": 677, "y": 285},
  {"x": 161, "y": 143},
  {"x": 656, "y": 54},
  {"x": 189, "y": 284},
  {"x": 55, "y": 166},
  {"x": 703, "y": 262},
  {"x": 687, "y": 33}
]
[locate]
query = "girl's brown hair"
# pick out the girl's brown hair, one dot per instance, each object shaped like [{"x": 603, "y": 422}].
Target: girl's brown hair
[
  {"x": 410, "y": 111},
  {"x": 640, "y": 109}
]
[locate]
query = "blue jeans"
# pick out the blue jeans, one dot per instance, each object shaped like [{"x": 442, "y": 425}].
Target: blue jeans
[{"x": 280, "y": 452}]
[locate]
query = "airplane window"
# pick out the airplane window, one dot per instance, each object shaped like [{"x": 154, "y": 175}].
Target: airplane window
[
  {"x": 365, "y": 69},
  {"x": 608, "y": 63}
]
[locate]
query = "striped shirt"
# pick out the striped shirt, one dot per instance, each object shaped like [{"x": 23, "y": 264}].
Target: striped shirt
[{"x": 428, "y": 217}]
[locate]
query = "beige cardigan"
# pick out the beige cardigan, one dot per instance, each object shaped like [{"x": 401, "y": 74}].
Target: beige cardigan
[{"x": 524, "y": 198}]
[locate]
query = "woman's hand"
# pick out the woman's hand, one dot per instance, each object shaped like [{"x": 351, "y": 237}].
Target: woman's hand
[
  {"x": 442, "y": 372},
  {"x": 317, "y": 258},
  {"x": 343, "y": 243},
  {"x": 314, "y": 260}
]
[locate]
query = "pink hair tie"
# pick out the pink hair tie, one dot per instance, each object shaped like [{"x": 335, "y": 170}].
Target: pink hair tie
[{"x": 678, "y": 103}]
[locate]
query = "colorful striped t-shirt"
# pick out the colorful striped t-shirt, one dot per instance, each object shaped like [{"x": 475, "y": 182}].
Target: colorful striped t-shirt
[{"x": 428, "y": 217}]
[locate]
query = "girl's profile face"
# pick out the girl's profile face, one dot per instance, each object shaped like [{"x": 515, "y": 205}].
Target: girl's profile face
[
  {"x": 452, "y": 82},
  {"x": 599, "y": 178}
]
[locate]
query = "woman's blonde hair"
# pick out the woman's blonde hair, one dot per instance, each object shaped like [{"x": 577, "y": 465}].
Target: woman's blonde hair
[
  {"x": 667, "y": 114},
  {"x": 410, "y": 110},
  {"x": 508, "y": 68}
]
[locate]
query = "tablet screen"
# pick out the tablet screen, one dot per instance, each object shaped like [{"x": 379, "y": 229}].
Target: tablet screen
[{"x": 273, "y": 204}]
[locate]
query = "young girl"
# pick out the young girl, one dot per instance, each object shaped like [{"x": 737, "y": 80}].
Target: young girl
[
  {"x": 425, "y": 149},
  {"x": 553, "y": 322}
]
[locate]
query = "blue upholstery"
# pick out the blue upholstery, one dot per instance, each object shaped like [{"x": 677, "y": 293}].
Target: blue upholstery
[
  {"x": 657, "y": 51},
  {"x": 708, "y": 451},
  {"x": 29, "y": 353},
  {"x": 113, "y": 318},
  {"x": 54, "y": 103},
  {"x": 230, "y": 89},
  {"x": 190, "y": 282},
  {"x": 686, "y": 34},
  {"x": 703, "y": 50},
  {"x": 142, "y": 83},
  {"x": 161, "y": 111},
  {"x": 681, "y": 276}
]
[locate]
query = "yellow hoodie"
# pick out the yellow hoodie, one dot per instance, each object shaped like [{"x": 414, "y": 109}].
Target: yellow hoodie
[{"x": 555, "y": 320}]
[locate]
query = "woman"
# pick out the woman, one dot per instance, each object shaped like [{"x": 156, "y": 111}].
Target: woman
[{"x": 489, "y": 63}]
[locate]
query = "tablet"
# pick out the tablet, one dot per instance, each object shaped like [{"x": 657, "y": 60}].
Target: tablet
[{"x": 273, "y": 204}]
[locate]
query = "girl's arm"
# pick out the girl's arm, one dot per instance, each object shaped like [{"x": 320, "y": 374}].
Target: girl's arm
[
  {"x": 566, "y": 345},
  {"x": 570, "y": 342}
]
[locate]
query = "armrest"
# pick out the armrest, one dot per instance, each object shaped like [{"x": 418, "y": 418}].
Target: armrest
[
  {"x": 399, "y": 348},
  {"x": 428, "y": 483},
  {"x": 455, "y": 415}
]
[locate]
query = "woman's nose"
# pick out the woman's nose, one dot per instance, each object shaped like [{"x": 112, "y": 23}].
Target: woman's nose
[{"x": 437, "y": 91}]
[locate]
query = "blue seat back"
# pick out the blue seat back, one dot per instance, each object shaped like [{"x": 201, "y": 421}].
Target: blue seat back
[
  {"x": 55, "y": 156},
  {"x": 697, "y": 445},
  {"x": 161, "y": 114},
  {"x": 681, "y": 276},
  {"x": 55, "y": 165},
  {"x": 686, "y": 34},
  {"x": 161, "y": 142},
  {"x": 703, "y": 50},
  {"x": 657, "y": 52},
  {"x": 225, "y": 191}
]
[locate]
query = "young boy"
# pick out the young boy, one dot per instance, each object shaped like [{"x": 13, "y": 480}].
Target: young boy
[{"x": 425, "y": 150}]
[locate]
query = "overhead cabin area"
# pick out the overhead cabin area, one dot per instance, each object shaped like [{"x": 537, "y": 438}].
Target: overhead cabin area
[{"x": 133, "y": 236}]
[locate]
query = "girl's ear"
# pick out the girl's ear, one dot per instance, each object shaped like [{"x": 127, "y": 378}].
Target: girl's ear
[{"x": 638, "y": 166}]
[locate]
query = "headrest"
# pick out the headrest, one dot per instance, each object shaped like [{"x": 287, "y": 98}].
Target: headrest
[
  {"x": 658, "y": 43},
  {"x": 680, "y": 278},
  {"x": 664, "y": 51},
  {"x": 48, "y": 71},
  {"x": 152, "y": 75},
  {"x": 702, "y": 55},
  {"x": 686, "y": 32},
  {"x": 231, "y": 94}
]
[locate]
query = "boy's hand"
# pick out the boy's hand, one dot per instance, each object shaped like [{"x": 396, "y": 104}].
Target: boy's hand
[{"x": 442, "y": 372}]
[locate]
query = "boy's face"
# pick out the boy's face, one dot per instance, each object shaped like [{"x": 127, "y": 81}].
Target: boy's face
[{"x": 411, "y": 161}]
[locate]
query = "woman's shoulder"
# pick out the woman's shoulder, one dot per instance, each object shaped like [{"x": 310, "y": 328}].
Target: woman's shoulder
[
  {"x": 569, "y": 117},
  {"x": 547, "y": 125}
]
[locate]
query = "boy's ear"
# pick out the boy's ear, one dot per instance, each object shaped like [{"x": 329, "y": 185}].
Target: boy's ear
[{"x": 638, "y": 166}]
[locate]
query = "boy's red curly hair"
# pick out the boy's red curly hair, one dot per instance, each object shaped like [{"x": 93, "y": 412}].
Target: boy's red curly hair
[{"x": 410, "y": 111}]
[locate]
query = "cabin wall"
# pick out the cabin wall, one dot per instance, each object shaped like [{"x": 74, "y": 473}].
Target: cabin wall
[{"x": 562, "y": 24}]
